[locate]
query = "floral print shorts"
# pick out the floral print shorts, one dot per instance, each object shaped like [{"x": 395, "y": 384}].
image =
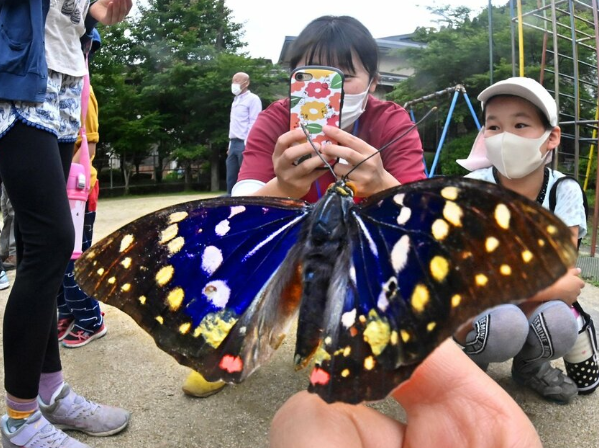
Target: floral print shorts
[{"x": 60, "y": 114}]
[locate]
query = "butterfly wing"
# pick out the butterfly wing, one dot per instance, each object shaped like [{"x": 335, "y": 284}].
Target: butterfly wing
[
  {"x": 206, "y": 279},
  {"x": 425, "y": 257}
]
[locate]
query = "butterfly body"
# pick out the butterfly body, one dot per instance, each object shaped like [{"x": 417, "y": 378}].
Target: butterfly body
[{"x": 376, "y": 286}]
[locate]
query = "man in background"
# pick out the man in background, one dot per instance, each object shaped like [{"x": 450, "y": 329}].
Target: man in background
[{"x": 244, "y": 111}]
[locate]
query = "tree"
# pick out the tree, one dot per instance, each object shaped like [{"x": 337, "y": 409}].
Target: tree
[{"x": 170, "y": 69}]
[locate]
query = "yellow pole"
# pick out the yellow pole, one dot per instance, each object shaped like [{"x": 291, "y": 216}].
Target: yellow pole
[
  {"x": 520, "y": 38},
  {"x": 591, "y": 151}
]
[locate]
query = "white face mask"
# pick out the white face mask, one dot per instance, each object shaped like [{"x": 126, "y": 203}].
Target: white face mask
[
  {"x": 353, "y": 107},
  {"x": 235, "y": 88},
  {"x": 515, "y": 156}
]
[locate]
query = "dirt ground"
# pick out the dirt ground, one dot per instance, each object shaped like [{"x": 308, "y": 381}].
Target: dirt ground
[{"x": 125, "y": 368}]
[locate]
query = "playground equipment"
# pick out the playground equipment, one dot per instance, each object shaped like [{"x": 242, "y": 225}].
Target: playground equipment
[
  {"x": 434, "y": 96},
  {"x": 570, "y": 30}
]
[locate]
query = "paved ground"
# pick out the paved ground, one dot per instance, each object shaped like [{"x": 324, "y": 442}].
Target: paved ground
[{"x": 125, "y": 368}]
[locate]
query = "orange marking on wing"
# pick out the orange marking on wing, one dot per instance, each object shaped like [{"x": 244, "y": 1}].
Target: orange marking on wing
[
  {"x": 319, "y": 376},
  {"x": 292, "y": 293},
  {"x": 231, "y": 363},
  {"x": 353, "y": 331}
]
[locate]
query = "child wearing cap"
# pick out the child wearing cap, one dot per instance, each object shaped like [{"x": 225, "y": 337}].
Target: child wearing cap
[{"x": 513, "y": 148}]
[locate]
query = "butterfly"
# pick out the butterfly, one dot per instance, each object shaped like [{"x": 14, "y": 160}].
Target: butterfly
[{"x": 375, "y": 285}]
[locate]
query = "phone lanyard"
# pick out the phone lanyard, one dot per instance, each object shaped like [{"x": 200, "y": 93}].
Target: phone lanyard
[{"x": 354, "y": 133}]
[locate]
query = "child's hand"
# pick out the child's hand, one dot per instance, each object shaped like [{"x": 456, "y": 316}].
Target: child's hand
[
  {"x": 109, "y": 12},
  {"x": 569, "y": 287}
]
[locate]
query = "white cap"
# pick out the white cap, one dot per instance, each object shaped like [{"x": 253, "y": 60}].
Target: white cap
[{"x": 526, "y": 88}]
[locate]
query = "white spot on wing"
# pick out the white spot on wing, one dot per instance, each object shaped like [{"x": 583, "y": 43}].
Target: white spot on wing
[
  {"x": 237, "y": 209},
  {"x": 348, "y": 318},
  {"x": 217, "y": 292},
  {"x": 222, "y": 228},
  {"x": 371, "y": 244},
  {"x": 212, "y": 258},
  {"x": 399, "y": 254},
  {"x": 404, "y": 215},
  {"x": 382, "y": 303}
]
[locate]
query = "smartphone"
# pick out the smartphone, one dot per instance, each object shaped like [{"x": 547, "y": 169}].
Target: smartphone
[{"x": 315, "y": 100}]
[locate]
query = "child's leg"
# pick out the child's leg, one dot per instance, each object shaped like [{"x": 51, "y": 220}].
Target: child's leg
[
  {"x": 498, "y": 335},
  {"x": 553, "y": 332}
]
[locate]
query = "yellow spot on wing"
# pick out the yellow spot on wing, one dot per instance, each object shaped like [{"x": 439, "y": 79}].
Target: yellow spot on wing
[
  {"x": 481, "y": 280},
  {"x": 345, "y": 373},
  {"x": 100, "y": 271},
  {"x": 369, "y": 363},
  {"x": 169, "y": 233},
  {"x": 377, "y": 333},
  {"x": 184, "y": 328},
  {"x": 165, "y": 275},
  {"x": 440, "y": 229},
  {"x": 450, "y": 193},
  {"x": 215, "y": 327},
  {"x": 420, "y": 298},
  {"x": 456, "y": 300},
  {"x": 321, "y": 355},
  {"x": 177, "y": 217},
  {"x": 126, "y": 263},
  {"x": 503, "y": 216},
  {"x": 431, "y": 326},
  {"x": 439, "y": 268},
  {"x": 126, "y": 242},
  {"x": 175, "y": 299},
  {"x": 112, "y": 280},
  {"x": 491, "y": 244},
  {"x": 142, "y": 300},
  {"x": 405, "y": 336},
  {"x": 126, "y": 287},
  {"x": 394, "y": 337},
  {"x": 505, "y": 269},
  {"x": 347, "y": 351},
  {"x": 526, "y": 256},
  {"x": 160, "y": 319},
  {"x": 552, "y": 230},
  {"x": 453, "y": 213},
  {"x": 176, "y": 245}
]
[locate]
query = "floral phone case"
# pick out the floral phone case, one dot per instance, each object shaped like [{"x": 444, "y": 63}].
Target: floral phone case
[{"x": 316, "y": 99}]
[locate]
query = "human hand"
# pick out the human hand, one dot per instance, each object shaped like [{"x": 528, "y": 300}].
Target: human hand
[
  {"x": 294, "y": 180},
  {"x": 109, "y": 12},
  {"x": 449, "y": 403},
  {"x": 568, "y": 287},
  {"x": 370, "y": 177}
]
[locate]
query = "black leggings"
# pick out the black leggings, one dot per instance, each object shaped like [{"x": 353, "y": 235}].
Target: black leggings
[{"x": 34, "y": 166}]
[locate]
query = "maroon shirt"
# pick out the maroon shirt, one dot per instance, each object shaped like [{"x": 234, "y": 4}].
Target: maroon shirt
[{"x": 381, "y": 122}]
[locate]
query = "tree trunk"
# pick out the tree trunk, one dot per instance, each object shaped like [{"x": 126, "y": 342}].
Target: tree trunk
[{"x": 214, "y": 171}]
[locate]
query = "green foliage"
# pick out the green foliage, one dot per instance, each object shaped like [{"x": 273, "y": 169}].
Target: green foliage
[
  {"x": 458, "y": 148},
  {"x": 163, "y": 80}
]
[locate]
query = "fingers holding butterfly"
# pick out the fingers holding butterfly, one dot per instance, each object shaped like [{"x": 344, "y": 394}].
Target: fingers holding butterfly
[{"x": 368, "y": 174}]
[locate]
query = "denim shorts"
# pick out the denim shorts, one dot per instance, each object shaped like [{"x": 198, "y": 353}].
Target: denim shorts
[{"x": 60, "y": 114}]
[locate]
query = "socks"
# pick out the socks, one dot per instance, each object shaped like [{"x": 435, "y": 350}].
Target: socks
[
  {"x": 18, "y": 412},
  {"x": 50, "y": 386}
]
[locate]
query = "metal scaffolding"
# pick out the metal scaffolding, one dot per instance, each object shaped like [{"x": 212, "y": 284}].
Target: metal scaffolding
[{"x": 570, "y": 71}]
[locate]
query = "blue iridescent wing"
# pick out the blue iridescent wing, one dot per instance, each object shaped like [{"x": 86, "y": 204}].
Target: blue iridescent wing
[
  {"x": 422, "y": 259},
  {"x": 206, "y": 279}
]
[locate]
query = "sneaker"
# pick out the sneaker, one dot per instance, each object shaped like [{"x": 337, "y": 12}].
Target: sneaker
[
  {"x": 10, "y": 262},
  {"x": 549, "y": 382},
  {"x": 37, "y": 432},
  {"x": 65, "y": 325},
  {"x": 196, "y": 386},
  {"x": 4, "y": 283},
  {"x": 78, "y": 337},
  {"x": 72, "y": 411}
]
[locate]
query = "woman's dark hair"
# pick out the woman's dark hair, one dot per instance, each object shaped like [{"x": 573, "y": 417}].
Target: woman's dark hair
[
  {"x": 331, "y": 40},
  {"x": 542, "y": 116}
]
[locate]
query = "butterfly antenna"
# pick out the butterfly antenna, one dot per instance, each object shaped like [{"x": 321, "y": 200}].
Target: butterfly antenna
[
  {"x": 326, "y": 164},
  {"x": 391, "y": 142}
]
